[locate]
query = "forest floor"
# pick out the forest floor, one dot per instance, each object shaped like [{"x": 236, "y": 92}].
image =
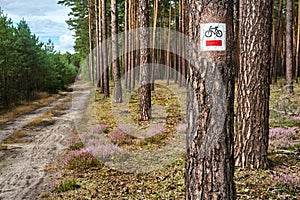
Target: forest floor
[{"x": 65, "y": 154}]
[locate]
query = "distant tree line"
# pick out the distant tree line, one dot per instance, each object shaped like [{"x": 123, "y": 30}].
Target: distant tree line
[
  {"x": 94, "y": 21},
  {"x": 28, "y": 66},
  {"x": 285, "y": 42}
]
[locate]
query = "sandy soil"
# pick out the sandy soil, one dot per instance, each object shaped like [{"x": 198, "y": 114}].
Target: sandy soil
[{"x": 23, "y": 163}]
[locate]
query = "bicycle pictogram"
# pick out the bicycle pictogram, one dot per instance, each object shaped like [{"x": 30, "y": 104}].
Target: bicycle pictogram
[{"x": 214, "y": 31}]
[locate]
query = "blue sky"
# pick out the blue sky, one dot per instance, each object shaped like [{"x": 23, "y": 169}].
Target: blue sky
[{"x": 45, "y": 18}]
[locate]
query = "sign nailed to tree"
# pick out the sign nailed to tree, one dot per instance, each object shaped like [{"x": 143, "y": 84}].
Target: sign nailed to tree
[{"x": 213, "y": 37}]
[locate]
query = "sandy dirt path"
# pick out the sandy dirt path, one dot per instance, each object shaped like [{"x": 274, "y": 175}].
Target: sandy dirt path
[{"x": 22, "y": 163}]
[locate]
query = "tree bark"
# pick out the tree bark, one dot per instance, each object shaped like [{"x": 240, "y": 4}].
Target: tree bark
[
  {"x": 236, "y": 36},
  {"x": 131, "y": 43},
  {"x": 126, "y": 54},
  {"x": 105, "y": 50},
  {"x": 289, "y": 47},
  {"x": 298, "y": 45},
  {"x": 175, "y": 46},
  {"x": 279, "y": 58},
  {"x": 91, "y": 45},
  {"x": 209, "y": 163},
  {"x": 155, "y": 11},
  {"x": 276, "y": 40},
  {"x": 168, "y": 45},
  {"x": 145, "y": 90},
  {"x": 179, "y": 44},
  {"x": 252, "y": 118},
  {"x": 101, "y": 69},
  {"x": 183, "y": 63},
  {"x": 96, "y": 8},
  {"x": 134, "y": 44},
  {"x": 115, "y": 52}
]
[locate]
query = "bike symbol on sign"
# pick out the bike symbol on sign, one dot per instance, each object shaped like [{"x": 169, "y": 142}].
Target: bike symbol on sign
[{"x": 214, "y": 31}]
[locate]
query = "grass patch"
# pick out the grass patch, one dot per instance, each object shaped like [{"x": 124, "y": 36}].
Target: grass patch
[
  {"x": 67, "y": 185},
  {"x": 10, "y": 114},
  {"x": 81, "y": 160},
  {"x": 42, "y": 120},
  {"x": 3, "y": 147},
  {"x": 15, "y": 137},
  {"x": 76, "y": 146}
]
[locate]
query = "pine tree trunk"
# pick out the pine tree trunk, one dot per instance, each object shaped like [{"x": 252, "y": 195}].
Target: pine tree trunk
[
  {"x": 91, "y": 45},
  {"x": 175, "y": 47},
  {"x": 96, "y": 6},
  {"x": 154, "y": 44},
  {"x": 101, "y": 70},
  {"x": 279, "y": 61},
  {"x": 289, "y": 47},
  {"x": 236, "y": 36},
  {"x": 137, "y": 52},
  {"x": 134, "y": 45},
  {"x": 115, "y": 52},
  {"x": 295, "y": 80},
  {"x": 180, "y": 44},
  {"x": 209, "y": 164},
  {"x": 283, "y": 55},
  {"x": 183, "y": 64},
  {"x": 298, "y": 45},
  {"x": 252, "y": 118},
  {"x": 126, "y": 54},
  {"x": 145, "y": 90},
  {"x": 105, "y": 51},
  {"x": 131, "y": 61},
  {"x": 168, "y": 45},
  {"x": 276, "y": 40}
]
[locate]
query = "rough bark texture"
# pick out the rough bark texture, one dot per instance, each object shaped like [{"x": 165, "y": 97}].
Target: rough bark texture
[
  {"x": 115, "y": 52},
  {"x": 252, "y": 118},
  {"x": 145, "y": 89},
  {"x": 289, "y": 47},
  {"x": 236, "y": 35},
  {"x": 209, "y": 164}
]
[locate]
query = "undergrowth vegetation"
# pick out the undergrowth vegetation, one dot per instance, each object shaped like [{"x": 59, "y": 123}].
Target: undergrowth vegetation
[{"x": 95, "y": 179}]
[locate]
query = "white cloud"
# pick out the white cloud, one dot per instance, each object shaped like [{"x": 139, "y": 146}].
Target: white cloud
[
  {"x": 66, "y": 42},
  {"x": 45, "y": 18}
]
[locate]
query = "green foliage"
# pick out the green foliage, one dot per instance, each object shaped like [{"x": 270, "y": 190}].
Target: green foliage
[
  {"x": 28, "y": 66},
  {"x": 70, "y": 184},
  {"x": 80, "y": 160},
  {"x": 79, "y": 23},
  {"x": 77, "y": 146}
]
